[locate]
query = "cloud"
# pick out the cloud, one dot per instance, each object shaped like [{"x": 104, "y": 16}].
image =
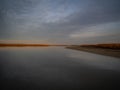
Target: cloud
[
  {"x": 96, "y": 12},
  {"x": 98, "y": 31},
  {"x": 58, "y": 20},
  {"x": 102, "y": 33}
]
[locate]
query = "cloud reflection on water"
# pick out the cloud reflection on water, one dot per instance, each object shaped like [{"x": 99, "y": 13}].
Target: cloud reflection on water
[{"x": 96, "y": 60}]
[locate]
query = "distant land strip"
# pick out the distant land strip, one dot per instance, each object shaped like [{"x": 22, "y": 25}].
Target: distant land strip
[
  {"x": 27, "y": 45},
  {"x": 103, "y": 49}
]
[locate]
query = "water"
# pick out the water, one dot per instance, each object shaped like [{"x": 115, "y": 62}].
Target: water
[{"x": 56, "y": 68}]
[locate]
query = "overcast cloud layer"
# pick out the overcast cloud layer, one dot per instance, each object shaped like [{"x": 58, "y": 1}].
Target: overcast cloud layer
[{"x": 60, "y": 21}]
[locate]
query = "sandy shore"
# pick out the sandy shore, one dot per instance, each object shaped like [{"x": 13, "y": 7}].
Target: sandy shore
[{"x": 102, "y": 51}]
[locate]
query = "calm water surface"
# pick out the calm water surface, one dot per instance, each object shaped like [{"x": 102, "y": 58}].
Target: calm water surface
[{"x": 56, "y": 68}]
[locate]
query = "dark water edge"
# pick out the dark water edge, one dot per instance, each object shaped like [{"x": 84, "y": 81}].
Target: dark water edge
[{"x": 52, "y": 69}]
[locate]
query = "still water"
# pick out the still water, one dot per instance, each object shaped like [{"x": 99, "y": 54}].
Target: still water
[{"x": 56, "y": 68}]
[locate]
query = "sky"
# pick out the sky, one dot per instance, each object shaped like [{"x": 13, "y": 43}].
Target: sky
[{"x": 60, "y": 21}]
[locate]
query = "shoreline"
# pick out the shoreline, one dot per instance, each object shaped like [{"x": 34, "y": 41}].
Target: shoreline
[{"x": 102, "y": 51}]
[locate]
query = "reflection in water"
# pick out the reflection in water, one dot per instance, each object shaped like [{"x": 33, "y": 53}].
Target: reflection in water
[
  {"x": 96, "y": 60},
  {"x": 56, "y": 68}
]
